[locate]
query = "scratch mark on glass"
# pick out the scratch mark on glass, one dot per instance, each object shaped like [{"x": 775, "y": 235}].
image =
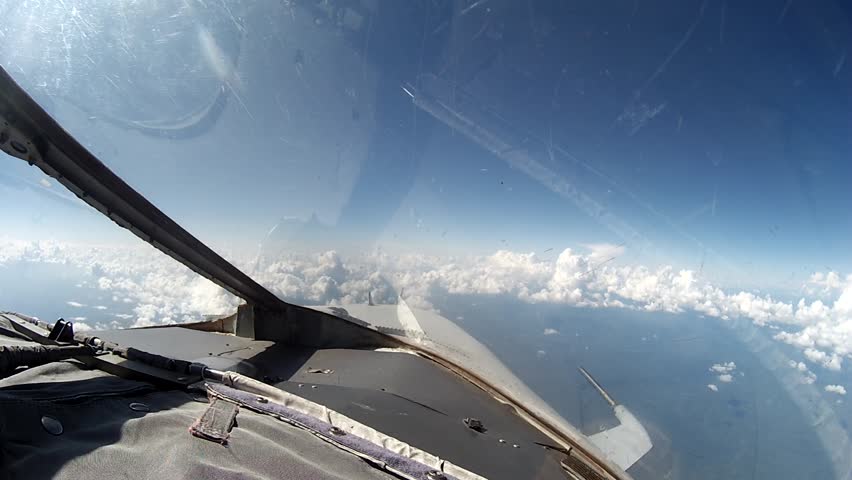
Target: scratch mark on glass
[
  {"x": 471, "y": 7},
  {"x": 686, "y": 36},
  {"x": 784, "y": 12},
  {"x": 840, "y": 62}
]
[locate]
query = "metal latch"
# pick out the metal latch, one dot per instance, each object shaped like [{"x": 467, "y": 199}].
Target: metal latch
[
  {"x": 62, "y": 331},
  {"x": 475, "y": 424}
]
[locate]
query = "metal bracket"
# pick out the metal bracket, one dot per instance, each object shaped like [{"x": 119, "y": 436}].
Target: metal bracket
[
  {"x": 62, "y": 331},
  {"x": 16, "y": 144}
]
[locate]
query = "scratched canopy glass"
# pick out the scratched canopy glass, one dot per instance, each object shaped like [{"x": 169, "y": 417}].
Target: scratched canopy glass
[{"x": 646, "y": 189}]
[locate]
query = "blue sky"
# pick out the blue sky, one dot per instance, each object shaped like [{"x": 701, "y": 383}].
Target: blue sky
[{"x": 716, "y": 132}]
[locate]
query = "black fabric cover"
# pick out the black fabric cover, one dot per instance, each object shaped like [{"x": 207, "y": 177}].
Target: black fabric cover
[{"x": 104, "y": 438}]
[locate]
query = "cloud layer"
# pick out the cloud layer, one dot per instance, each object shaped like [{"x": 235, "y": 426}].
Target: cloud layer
[
  {"x": 163, "y": 291},
  {"x": 159, "y": 289}
]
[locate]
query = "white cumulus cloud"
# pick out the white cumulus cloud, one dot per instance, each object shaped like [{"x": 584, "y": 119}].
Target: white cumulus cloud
[
  {"x": 726, "y": 367},
  {"x": 800, "y": 366},
  {"x": 829, "y": 361},
  {"x": 551, "y": 331},
  {"x": 838, "y": 389},
  {"x": 808, "y": 377},
  {"x": 75, "y": 304},
  {"x": 713, "y": 387},
  {"x": 82, "y": 327},
  {"x": 724, "y": 371}
]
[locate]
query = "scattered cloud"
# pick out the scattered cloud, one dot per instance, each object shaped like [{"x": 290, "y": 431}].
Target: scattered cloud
[
  {"x": 551, "y": 331},
  {"x": 713, "y": 387},
  {"x": 838, "y": 389},
  {"x": 808, "y": 377},
  {"x": 541, "y": 354},
  {"x": 798, "y": 366},
  {"x": 725, "y": 371},
  {"x": 727, "y": 367},
  {"x": 75, "y": 304},
  {"x": 78, "y": 319},
  {"x": 44, "y": 183},
  {"x": 100, "y": 307}
]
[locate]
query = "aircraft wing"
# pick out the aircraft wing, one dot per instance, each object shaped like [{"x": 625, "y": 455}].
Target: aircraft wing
[{"x": 624, "y": 444}]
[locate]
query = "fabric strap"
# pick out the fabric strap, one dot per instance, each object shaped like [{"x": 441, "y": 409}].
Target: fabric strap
[{"x": 216, "y": 422}]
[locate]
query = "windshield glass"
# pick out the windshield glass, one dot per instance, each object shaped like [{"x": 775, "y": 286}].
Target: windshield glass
[{"x": 657, "y": 191}]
